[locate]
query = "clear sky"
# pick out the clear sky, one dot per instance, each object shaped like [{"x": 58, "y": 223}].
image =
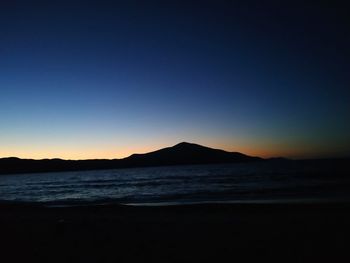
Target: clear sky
[{"x": 104, "y": 79}]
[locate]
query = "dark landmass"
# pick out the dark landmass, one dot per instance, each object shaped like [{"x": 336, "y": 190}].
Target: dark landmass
[
  {"x": 187, "y": 153},
  {"x": 180, "y": 154},
  {"x": 192, "y": 233}
]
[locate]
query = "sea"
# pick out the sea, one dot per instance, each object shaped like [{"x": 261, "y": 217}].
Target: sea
[{"x": 269, "y": 181}]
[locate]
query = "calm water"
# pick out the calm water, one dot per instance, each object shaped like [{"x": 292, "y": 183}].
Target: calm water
[{"x": 184, "y": 184}]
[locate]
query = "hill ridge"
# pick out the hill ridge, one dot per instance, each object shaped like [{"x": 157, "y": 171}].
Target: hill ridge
[{"x": 183, "y": 153}]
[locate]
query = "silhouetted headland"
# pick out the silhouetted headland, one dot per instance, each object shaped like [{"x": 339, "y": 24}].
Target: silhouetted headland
[{"x": 181, "y": 154}]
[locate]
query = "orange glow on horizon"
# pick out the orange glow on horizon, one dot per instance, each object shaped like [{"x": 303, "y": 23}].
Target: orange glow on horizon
[{"x": 118, "y": 151}]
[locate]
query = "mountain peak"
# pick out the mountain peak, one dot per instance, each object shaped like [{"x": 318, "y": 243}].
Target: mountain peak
[
  {"x": 186, "y": 153},
  {"x": 185, "y": 144},
  {"x": 188, "y": 146}
]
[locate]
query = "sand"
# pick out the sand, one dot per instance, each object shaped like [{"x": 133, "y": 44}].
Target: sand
[{"x": 194, "y": 233}]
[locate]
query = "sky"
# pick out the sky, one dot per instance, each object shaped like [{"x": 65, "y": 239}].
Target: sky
[{"x": 105, "y": 79}]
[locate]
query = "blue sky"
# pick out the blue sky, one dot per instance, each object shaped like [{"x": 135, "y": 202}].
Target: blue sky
[{"x": 95, "y": 79}]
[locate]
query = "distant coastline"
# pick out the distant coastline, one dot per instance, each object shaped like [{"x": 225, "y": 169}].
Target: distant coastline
[{"x": 181, "y": 154}]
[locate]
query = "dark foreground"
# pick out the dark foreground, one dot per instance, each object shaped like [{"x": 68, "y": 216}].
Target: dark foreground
[{"x": 197, "y": 233}]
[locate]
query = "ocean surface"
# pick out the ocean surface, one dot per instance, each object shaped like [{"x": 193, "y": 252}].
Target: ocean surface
[{"x": 270, "y": 181}]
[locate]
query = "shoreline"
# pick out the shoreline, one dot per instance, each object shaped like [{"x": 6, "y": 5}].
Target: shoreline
[{"x": 111, "y": 202}]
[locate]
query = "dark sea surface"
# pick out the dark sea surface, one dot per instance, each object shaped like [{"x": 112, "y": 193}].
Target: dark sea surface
[{"x": 270, "y": 181}]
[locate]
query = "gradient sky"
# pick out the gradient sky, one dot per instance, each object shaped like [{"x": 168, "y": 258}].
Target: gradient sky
[{"x": 104, "y": 79}]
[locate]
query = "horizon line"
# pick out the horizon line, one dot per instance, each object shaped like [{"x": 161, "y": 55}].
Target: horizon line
[{"x": 183, "y": 142}]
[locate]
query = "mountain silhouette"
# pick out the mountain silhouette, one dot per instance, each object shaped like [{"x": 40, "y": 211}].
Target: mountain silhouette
[
  {"x": 181, "y": 154},
  {"x": 187, "y": 153}
]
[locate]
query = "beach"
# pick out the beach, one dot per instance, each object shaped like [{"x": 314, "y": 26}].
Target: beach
[{"x": 310, "y": 232}]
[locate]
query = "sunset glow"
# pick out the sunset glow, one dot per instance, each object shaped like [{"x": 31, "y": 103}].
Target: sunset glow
[{"x": 101, "y": 83}]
